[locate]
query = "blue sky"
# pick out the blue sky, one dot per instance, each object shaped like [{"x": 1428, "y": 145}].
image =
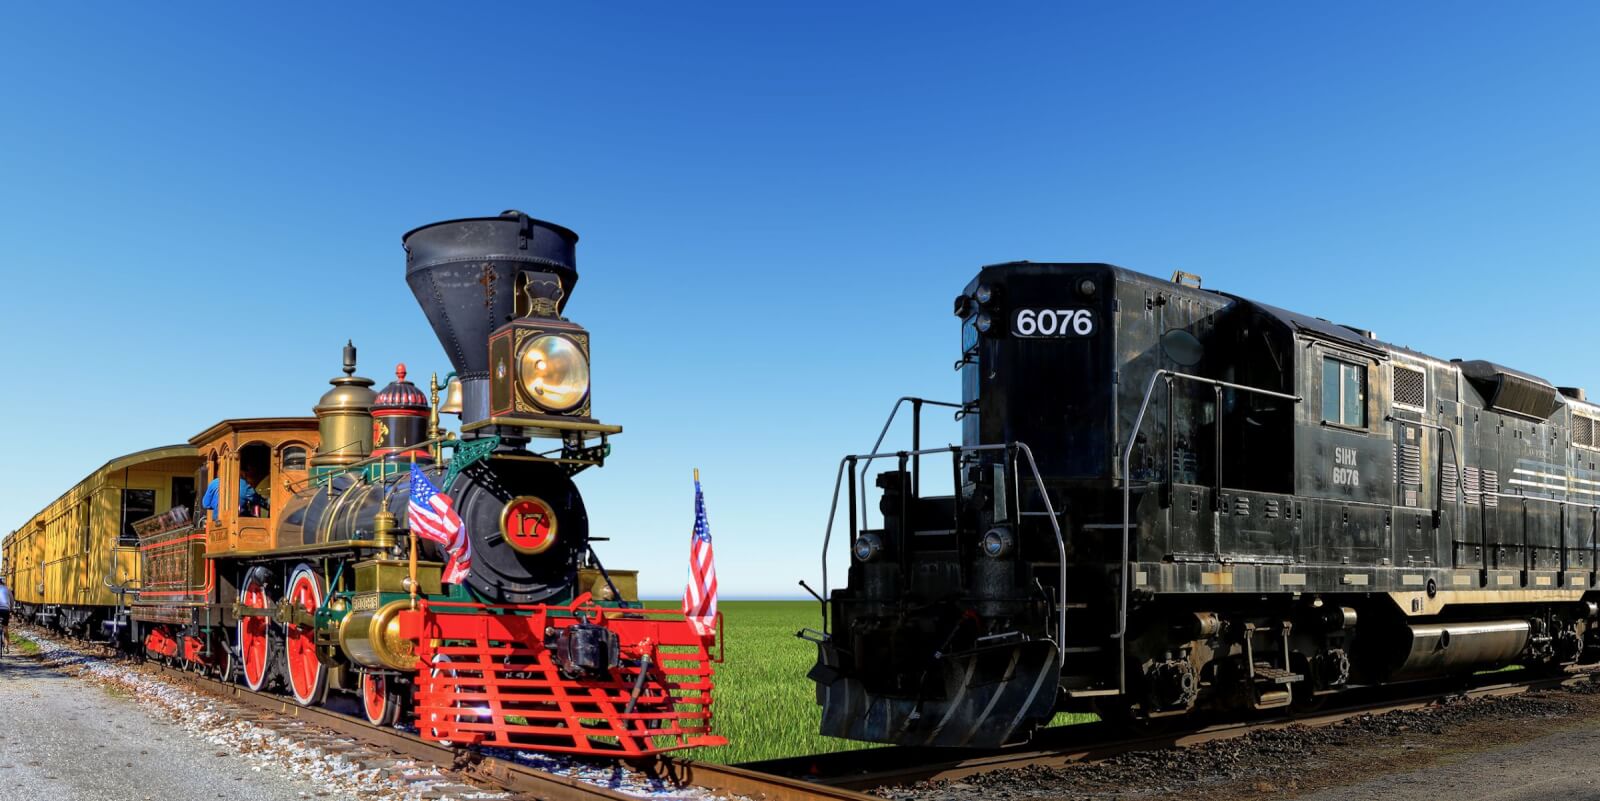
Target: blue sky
[{"x": 776, "y": 205}]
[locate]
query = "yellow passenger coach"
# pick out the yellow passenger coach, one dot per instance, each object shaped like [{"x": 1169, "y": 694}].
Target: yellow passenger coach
[{"x": 74, "y": 563}]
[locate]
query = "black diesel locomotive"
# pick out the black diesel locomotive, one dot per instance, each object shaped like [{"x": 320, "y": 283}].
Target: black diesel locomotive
[{"x": 1169, "y": 498}]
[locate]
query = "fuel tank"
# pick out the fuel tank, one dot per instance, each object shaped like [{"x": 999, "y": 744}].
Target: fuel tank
[{"x": 1438, "y": 648}]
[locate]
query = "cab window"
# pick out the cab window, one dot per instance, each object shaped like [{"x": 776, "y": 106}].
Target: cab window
[{"x": 1344, "y": 393}]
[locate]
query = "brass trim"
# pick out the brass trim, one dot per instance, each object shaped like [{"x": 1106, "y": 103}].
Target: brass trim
[
  {"x": 316, "y": 547},
  {"x": 549, "y": 541},
  {"x": 553, "y": 425},
  {"x": 383, "y": 525},
  {"x": 368, "y": 646},
  {"x": 390, "y": 575}
]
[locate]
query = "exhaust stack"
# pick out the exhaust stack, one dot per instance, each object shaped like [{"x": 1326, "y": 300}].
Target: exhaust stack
[{"x": 467, "y": 274}]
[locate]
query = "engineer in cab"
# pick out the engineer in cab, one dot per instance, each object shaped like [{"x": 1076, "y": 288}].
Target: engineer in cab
[{"x": 251, "y": 503}]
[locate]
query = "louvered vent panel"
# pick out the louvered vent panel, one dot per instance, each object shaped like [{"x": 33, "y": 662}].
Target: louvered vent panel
[
  {"x": 1270, "y": 508},
  {"x": 1241, "y": 505},
  {"x": 1410, "y": 387},
  {"x": 1410, "y": 464},
  {"x": 1470, "y": 485},
  {"x": 1447, "y": 485},
  {"x": 1491, "y": 489},
  {"x": 1582, "y": 431}
]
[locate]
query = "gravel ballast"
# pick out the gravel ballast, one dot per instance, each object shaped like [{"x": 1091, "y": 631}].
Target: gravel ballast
[
  {"x": 77, "y": 726},
  {"x": 320, "y": 767},
  {"x": 1482, "y": 748},
  {"x": 65, "y": 739}
]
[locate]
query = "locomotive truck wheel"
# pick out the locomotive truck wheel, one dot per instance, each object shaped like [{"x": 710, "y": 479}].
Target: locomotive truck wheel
[
  {"x": 466, "y": 717},
  {"x": 254, "y": 635},
  {"x": 380, "y": 699},
  {"x": 308, "y": 677},
  {"x": 228, "y": 671}
]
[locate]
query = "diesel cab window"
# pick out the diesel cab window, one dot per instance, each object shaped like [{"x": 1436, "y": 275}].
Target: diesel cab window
[{"x": 1344, "y": 393}]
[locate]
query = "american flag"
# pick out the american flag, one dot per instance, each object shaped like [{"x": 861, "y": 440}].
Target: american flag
[
  {"x": 431, "y": 516},
  {"x": 700, "y": 602}
]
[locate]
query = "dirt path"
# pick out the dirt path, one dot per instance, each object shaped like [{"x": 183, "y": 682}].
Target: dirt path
[{"x": 61, "y": 738}]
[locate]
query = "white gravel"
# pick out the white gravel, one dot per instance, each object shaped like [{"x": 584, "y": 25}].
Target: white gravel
[
  {"x": 211, "y": 729},
  {"x": 270, "y": 753}
]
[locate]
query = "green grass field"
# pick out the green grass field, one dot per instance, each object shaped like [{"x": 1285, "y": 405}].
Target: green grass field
[
  {"x": 22, "y": 645},
  {"x": 764, "y": 704}
]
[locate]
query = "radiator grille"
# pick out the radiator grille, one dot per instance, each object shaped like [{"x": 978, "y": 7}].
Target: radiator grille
[
  {"x": 1410, "y": 387},
  {"x": 1582, "y": 431}
]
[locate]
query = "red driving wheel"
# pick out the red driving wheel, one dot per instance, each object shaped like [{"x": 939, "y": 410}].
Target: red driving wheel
[
  {"x": 253, "y": 632},
  {"x": 308, "y": 677}
]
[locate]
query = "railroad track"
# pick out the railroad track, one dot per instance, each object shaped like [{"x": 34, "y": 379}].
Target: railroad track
[
  {"x": 504, "y": 775},
  {"x": 1091, "y": 742},
  {"x": 838, "y": 776}
]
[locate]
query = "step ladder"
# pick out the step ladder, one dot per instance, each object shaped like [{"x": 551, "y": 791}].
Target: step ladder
[{"x": 1270, "y": 685}]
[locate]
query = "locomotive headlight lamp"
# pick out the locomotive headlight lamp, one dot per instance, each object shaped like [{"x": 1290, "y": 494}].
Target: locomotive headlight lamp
[
  {"x": 867, "y": 547},
  {"x": 984, "y": 322},
  {"x": 998, "y": 543},
  {"x": 984, "y": 293},
  {"x": 554, "y": 372}
]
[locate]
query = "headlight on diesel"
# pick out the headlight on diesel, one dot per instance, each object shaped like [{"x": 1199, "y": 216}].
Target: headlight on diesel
[
  {"x": 867, "y": 547},
  {"x": 554, "y": 372},
  {"x": 997, "y": 543}
]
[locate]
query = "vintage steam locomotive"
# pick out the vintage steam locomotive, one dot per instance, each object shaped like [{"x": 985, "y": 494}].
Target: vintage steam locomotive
[
  {"x": 1169, "y": 498},
  {"x": 301, "y": 568}
]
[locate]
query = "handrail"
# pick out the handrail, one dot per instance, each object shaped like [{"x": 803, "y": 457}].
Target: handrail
[
  {"x": 1127, "y": 493},
  {"x": 447, "y": 438},
  {"x": 1033, "y": 465},
  {"x": 916, "y": 442},
  {"x": 1455, "y": 453},
  {"x": 838, "y": 480}
]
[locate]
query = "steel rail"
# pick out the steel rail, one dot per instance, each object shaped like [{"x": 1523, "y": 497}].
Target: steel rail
[
  {"x": 499, "y": 772},
  {"x": 1093, "y": 742},
  {"x": 512, "y": 776},
  {"x": 736, "y": 780}
]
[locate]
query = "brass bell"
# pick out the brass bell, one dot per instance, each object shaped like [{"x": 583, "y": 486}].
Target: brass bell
[{"x": 452, "y": 398}]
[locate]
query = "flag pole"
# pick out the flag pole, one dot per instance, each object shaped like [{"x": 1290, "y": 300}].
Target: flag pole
[
  {"x": 697, "y": 475},
  {"x": 413, "y": 561}
]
